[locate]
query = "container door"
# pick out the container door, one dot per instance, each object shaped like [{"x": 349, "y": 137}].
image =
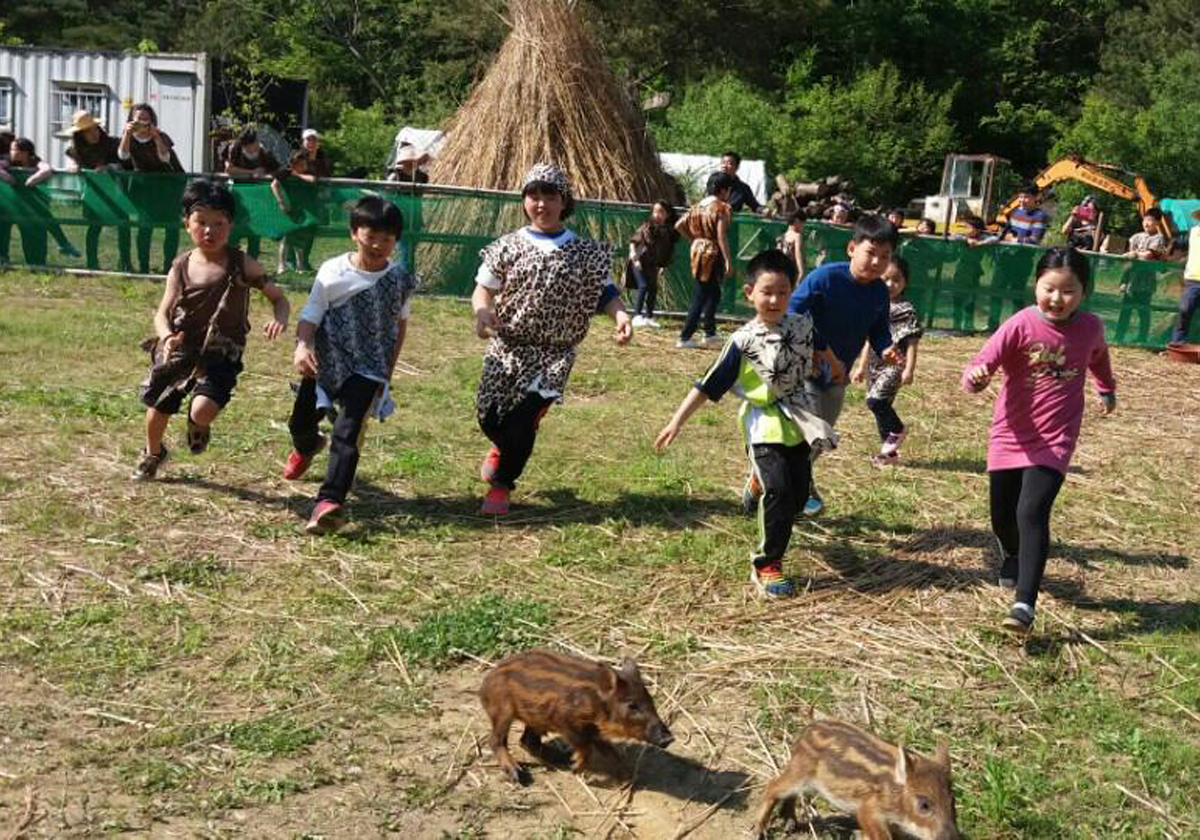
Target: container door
[{"x": 173, "y": 96}]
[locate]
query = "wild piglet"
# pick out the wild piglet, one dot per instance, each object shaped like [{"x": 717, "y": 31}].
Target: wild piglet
[
  {"x": 585, "y": 702},
  {"x": 884, "y": 786}
]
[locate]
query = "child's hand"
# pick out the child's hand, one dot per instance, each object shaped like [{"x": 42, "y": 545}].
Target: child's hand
[
  {"x": 979, "y": 377},
  {"x": 485, "y": 322},
  {"x": 857, "y": 374},
  {"x": 1108, "y": 404},
  {"x": 906, "y": 378},
  {"x": 305, "y": 361},
  {"x": 171, "y": 342},
  {"x": 283, "y": 205},
  {"x": 624, "y": 328},
  {"x": 892, "y": 356},
  {"x": 837, "y": 370},
  {"x": 666, "y": 436},
  {"x": 273, "y": 329}
]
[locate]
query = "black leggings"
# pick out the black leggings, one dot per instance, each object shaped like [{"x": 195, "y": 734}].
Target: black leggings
[
  {"x": 514, "y": 436},
  {"x": 886, "y": 417},
  {"x": 705, "y": 300},
  {"x": 647, "y": 290},
  {"x": 784, "y": 473},
  {"x": 1021, "y": 503}
]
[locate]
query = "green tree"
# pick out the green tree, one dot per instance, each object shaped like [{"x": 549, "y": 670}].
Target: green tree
[
  {"x": 362, "y": 141},
  {"x": 888, "y": 135},
  {"x": 719, "y": 113}
]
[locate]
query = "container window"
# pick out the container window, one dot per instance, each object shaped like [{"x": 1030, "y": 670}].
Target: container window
[{"x": 69, "y": 98}]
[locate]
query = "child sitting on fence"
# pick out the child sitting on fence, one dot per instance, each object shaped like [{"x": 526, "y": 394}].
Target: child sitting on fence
[
  {"x": 883, "y": 379},
  {"x": 1045, "y": 351},
  {"x": 767, "y": 362},
  {"x": 650, "y": 251},
  {"x": 534, "y": 297},
  {"x": 348, "y": 338},
  {"x": 201, "y": 325}
]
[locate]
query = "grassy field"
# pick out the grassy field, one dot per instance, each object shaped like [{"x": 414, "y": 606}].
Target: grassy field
[{"x": 178, "y": 659}]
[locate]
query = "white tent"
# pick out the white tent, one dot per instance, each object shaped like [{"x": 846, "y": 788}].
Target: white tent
[
  {"x": 425, "y": 139},
  {"x": 693, "y": 171}
]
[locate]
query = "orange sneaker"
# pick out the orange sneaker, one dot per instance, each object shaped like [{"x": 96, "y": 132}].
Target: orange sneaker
[{"x": 327, "y": 517}]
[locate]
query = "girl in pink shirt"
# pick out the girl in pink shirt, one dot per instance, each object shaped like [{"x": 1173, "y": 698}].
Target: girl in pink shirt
[{"x": 1045, "y": 351}]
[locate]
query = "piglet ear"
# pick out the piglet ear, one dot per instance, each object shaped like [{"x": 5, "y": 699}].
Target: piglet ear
[
  {"x": 611, "y": 682},
  {"x": 901, "y": 771},
  {"x": 629, "y": 669},
  {"x": 942, "y": 757}
]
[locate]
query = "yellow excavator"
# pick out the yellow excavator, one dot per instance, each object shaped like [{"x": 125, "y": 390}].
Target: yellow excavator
[{"x": 1075, "y": 168}]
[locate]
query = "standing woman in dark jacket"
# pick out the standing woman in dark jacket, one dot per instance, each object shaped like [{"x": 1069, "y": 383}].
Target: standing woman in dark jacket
[
  {"x": 149, "y": 150},
  {"x": 92, "y": 150}
]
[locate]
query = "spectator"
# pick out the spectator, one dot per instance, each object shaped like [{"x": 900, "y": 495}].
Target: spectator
[
  {"x": 1189, "y": 301},
  {"x": 149, "y": 150},
  {"x": 707, "y": 225},
  {"x": 246, "y": 156},
  {"x": 318, "y": 164},
  {"x": 407, "y": 169},
  {"x": 926, "y": 227},
  {"x": 791, "y": 242},
  {"x": 840, "y": 215},
  {"x": 299, "y": 204},
  {"x": 1028, "y": 223},
  {"x": 93, "y": 150},
  {"x": 1149, "y": 243},
  {"x": 741, "y": 196},
  {"x": 1080, "y": 226},
  {"x": 896, "y": 217},
  {"x": 23, "y": 155},
  {"x": 650, "y": 251},
  {"x": 6, "y": 139}
]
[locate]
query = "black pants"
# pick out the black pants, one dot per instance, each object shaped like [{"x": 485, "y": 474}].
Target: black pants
[
  {"x": 514, "y": 435},
  {"x": 705, "y": 299},
  {"x": 647, "y": 290},
  {"x": 355, "y": 398},
  {"x": 886, "y": 417},
  {"x": 170, "y": 247},
  {"x": 1021, "y": 503},
  {"x": 784, "y": 473}
]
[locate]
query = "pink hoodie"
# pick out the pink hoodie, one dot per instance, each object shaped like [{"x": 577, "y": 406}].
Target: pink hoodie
[{"x": 1039, "y": 409}]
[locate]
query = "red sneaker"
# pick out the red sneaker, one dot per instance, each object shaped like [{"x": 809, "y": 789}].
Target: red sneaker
[
  {"x": 326, "y": 518},
  {"x": 297, "y": 464},
  {"x": 491, "y": 463},
  {"x": 495, "y": 503}
]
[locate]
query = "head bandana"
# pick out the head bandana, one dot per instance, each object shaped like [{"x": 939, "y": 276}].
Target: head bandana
[{"x": 550, "y": 174}]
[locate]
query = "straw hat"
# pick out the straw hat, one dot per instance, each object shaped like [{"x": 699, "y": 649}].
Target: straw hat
[{"x": 80, "y": 121}]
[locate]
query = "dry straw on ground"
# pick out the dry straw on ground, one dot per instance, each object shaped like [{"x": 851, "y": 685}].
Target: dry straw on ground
[{"x": 550, "y": 96}]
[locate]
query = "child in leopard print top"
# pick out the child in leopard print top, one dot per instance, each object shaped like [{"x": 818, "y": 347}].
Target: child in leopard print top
[{"x": 534, "y": 297}]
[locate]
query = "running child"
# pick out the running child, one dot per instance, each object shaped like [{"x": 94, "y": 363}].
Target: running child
[
  {"x": 849, "y": 306},
  {"x": 201, "y": 326},
  {"x": 767, "y": 362},
  {"x": 348, "y": 338},
  {"x": 884, "y": 380},
  {"x": 650, "y": 251},
  {"x": 534, "y": 297},
  {"x": 1045, "y": 351}
]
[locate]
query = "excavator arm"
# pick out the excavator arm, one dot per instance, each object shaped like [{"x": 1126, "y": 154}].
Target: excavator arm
[{"x": 1092, "y": 174}]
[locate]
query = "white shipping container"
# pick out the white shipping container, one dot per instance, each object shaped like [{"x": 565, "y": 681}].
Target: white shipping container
[{"x": 40, "y": 88}]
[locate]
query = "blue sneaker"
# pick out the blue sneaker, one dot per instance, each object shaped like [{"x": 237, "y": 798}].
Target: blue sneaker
[
  {"x": 769, "y": 581},
  {"x": 813, "y": 506}
]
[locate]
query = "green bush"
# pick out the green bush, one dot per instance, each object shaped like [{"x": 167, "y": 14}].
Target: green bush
[{"x": 362, "y": 141}]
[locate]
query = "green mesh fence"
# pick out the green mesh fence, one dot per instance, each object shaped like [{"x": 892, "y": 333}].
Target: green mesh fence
[{"x": 130, "y": 222}]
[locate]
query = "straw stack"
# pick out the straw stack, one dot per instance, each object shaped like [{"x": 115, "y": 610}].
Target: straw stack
[{"x": 550, "y": 96}]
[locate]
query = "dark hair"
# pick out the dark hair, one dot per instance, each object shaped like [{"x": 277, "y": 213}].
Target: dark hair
[
  {"x": 895, "y": 211},
  {"x": 737, "y": 159},
  {"x": 206, "y": 194},
  {"x": 1072, "y": 261},
  {"x": 1028, "y": 189},
  {"x": 719, "y": 182},
  {"x": 974, "y": 222},
  {"x": 799, "y": 216},
  {"x": 6, "y": 140},
  {"x": 1153, "y": 213},
  {"x": 671, "y": 215},
  {"x": 926, "y": 223},
  {"x": 901, "y": 264},
  {"x": 542, "y": 187},
  {"x": 248, "y": 136},
  {"x": 871, "y": 227},
  {"x": 775, "y": 261},
  {"x": 143, "y": 106},
  {"x": 25, "y": 145},
  {"x": 299, "y": 156},
  {"x": 377, "y": 214}
]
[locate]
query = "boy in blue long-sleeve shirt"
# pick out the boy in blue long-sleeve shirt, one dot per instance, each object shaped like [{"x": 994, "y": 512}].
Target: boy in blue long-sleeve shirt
[{"x": 848, "y": 303}]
